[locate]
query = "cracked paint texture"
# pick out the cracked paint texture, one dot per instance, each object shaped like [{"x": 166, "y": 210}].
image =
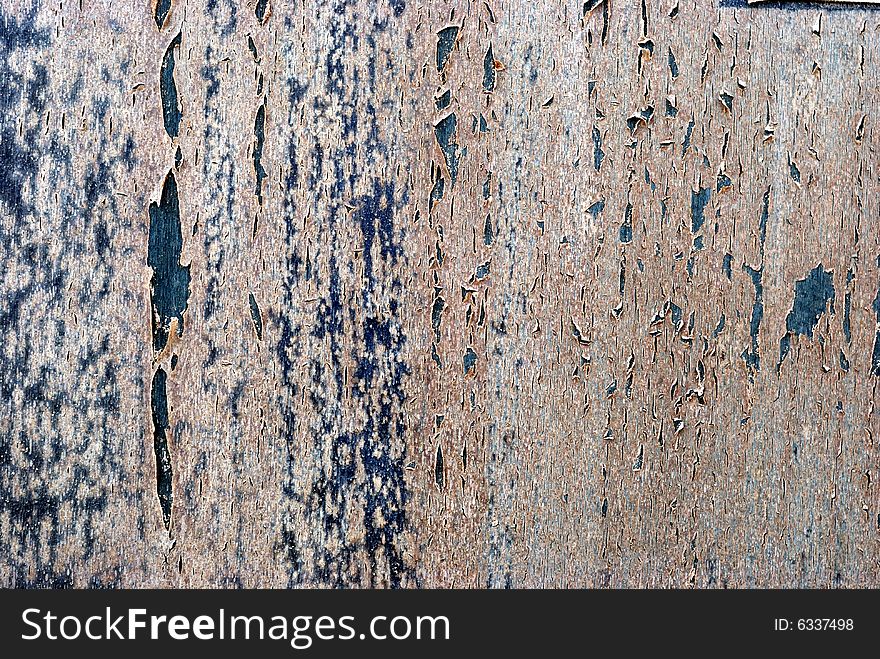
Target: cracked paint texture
[{"x": 353, "y": 293}]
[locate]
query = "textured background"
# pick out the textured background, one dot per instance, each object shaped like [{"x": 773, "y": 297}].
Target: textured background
[{"x": 389, "y": 293}]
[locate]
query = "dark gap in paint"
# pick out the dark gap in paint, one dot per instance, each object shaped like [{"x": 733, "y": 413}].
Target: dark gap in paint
[
  {"x": 445, "y": 134},
  {"x": 488, "y": 233},
  {"x": 168, "y": 90},
  {"x": 442, "y": 102},
  {"x": 162, "y": 9},
  {"x": 699, "y": 199},
  {"x": 445, "y": 43},
  {"x": 598, "y": 153},
  {"x": 437, "y": 315},
  {"x": 256, "y": 316},
  {"x": 847, "y": 306},
  {"x": 673, "y": 65},
  {"x": 469, "y": 361},
  {"x": 164, "y": 472},
  {"x": 169, "y": 285},
  {"x": 436, "y": 192},
  {"x": 686, "y": 144},
  {"x": 726, "y": 265},
  {"x": 438, "y": 467},
  {"x": 813, "y": 295},
  {"x": 626, "y": 232},
  {"x": 260, "y": 10},
  {"x": 751, "y": 355},
  {"x": 489, "y": 74},
  {"x": 259, "y": 139}
]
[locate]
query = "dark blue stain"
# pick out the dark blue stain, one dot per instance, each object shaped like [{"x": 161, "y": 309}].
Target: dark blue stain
[
  {"x": 161, "y": 425},
  {"x": 361, "y": 477},
  {"x": 445, "y": 43},
  {"x": 101, "y": 238},
  {"x": 53, "y": 487},
  {"x": 168, "y": 90},
  {"x": 169, "y": 285},
  {"x": 813, "y": 296},
  {"x": 751, "y": 355},
  {"x": 722, "y": 321},
  {"x": 445, "y": 131},
  {"x": 650, "y": 182},
  {"x": 376, "y": 218},
  {"x": 18, "y": 154},
  {"x": 219, "y": 171},
  {"x": 699, "y": 199},
  {"x": 228, "y": 27},
  {"x": 722, "y": 181}
]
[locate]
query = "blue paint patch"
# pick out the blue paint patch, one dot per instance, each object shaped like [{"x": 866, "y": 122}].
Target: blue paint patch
[
  {"x": 490, "y": 76},
  {"x": 161, "y": 425},
  {"x": 469, "y": 361},
  {"x": 699, "y": 199},
  {"x": 625, "y": 233},
  {"x": 751, "y": 355},
  {"x": 445, "y": 131},
  {"x": 168, "y": 90},
  {"x": 445, "y": 43},
  {"x": 598, "y": 153},
  {"x": 163, "y": 7},
  {"x": 169, "y": 285},
  {"x": 813, "y": 296},
  {"x": 259, "y": 140}
]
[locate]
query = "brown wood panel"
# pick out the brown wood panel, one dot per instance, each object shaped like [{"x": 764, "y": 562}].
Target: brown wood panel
[{"x": 477, "y": 294}]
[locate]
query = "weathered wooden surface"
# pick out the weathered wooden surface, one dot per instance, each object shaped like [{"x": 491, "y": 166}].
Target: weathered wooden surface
[{"x": 439, "y": 294}]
